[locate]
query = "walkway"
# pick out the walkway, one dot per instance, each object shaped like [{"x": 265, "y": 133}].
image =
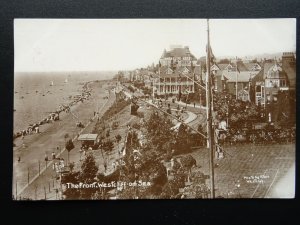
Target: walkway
[
  {"x": 51, "y": 139},
  {"x": 190, "y": 105}
]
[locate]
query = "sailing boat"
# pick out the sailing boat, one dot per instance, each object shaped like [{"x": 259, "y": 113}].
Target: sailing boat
[
  {"x": 51, "y": 83},
  {"x": 66, "y": 80}
]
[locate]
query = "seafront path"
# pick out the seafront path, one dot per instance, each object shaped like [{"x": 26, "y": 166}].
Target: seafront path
[{"x": 33, "y": 149}]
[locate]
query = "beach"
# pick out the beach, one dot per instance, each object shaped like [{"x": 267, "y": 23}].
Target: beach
[
  {"x": 29, "y": 152},
  {"x": 35, "y": 97}
]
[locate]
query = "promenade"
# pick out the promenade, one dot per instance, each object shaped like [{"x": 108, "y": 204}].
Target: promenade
[{"x": 52, "y": 139}]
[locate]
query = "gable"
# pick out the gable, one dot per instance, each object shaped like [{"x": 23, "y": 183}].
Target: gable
[
  {"x": 215, "y": 67},
  {"x": 169, "y": 71},
  {"x": 185, "y": 71},
  {"x": 256, "y": 67},
  {"x": 229, "y": 67}
]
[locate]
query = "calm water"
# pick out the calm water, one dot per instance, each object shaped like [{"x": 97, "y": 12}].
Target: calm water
[{"x": 35, "y": 98}]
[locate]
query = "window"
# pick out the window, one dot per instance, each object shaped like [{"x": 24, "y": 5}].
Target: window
[{"x": 282, "y": 83}]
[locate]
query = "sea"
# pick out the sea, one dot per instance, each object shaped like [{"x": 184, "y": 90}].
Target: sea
[{"x": 37, "y": 94}]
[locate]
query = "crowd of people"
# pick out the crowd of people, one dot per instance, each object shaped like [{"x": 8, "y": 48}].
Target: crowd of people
[{"x": 54, "y": 116}]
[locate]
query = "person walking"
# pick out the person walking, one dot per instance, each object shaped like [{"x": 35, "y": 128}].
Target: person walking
[
  {"x": 53, "y": 155},
  {"x": 105, "y": 167}
]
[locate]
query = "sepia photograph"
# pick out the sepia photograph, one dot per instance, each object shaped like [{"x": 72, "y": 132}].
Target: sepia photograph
[{"x": 108, "y": 109}]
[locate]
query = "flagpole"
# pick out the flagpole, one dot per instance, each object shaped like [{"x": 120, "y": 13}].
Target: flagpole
[{"x": 209, "y": 116}]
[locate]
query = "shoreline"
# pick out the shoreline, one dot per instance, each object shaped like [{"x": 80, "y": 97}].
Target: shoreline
[
  {"x": 55, "y": 116},
  {"x": 51, "y": 139}
]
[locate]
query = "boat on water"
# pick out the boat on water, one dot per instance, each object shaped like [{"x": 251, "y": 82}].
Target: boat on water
[
  {"x": 66, "y": 80},
  {"x": 51, "y": 83}
]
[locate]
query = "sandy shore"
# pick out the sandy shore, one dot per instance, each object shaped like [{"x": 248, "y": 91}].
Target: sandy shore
[
  {"x": 51, "y": 137},
  {"x": 35, "y": 98}
]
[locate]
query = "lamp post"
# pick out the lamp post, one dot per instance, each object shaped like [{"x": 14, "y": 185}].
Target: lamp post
[{"x": 200, "y": 98}]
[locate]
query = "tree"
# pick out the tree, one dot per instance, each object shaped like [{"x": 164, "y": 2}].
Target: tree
[
  {"x": 132, "y": 140},
  {"x": 171, "y": 189},
  {"x": 159, "y": 133},
  {"x": 254, "y": 60},
  {"x": 118, "y": 139},
  {"x": 188, "y": 162},
  {"x": 88, "y": 169},
  {"x": 224, "y": 61},
  {"x": 197, "y": 188},
  {"x": 108, "y": 133},
  {"x": 71, "y": 166},
  {"x": 133, "y": 109},
  {"x": 73, "y": 178},
  {"x": 108, "y": 145},
  {"x": 182, "y": 143},
  {"x": 88, "y": 175},
  {"x": 69, "y": 146},
  {"x": 146, "y": 166}
]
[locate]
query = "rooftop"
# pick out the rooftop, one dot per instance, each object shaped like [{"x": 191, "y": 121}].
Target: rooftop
[
  {"x": 87, "y": 137},
  {"x": 178, "y": 51},
  {"x": 242, "y": 76}
]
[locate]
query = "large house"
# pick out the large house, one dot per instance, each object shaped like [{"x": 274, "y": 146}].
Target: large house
[
  {"x": 274, "y": 88},
  {"x": 239, "y": 83},
  {"x": 177, "y": 70},
  {"x": 234, "y": 78}
]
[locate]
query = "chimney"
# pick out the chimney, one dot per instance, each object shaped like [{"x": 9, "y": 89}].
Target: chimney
[{"x": 172, "y": 47}]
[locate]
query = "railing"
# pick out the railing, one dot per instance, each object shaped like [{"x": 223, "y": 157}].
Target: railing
[{"x": 174, "y": 83}]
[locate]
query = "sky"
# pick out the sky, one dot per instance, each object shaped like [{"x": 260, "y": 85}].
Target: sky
[{"x": 47, "y": 45}]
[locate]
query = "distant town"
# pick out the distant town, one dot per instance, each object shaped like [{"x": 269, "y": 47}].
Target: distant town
[{"x": 268, "y": 83}]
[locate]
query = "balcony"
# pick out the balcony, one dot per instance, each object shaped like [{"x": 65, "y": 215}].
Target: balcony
[{"x": 175, "y": 83}]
